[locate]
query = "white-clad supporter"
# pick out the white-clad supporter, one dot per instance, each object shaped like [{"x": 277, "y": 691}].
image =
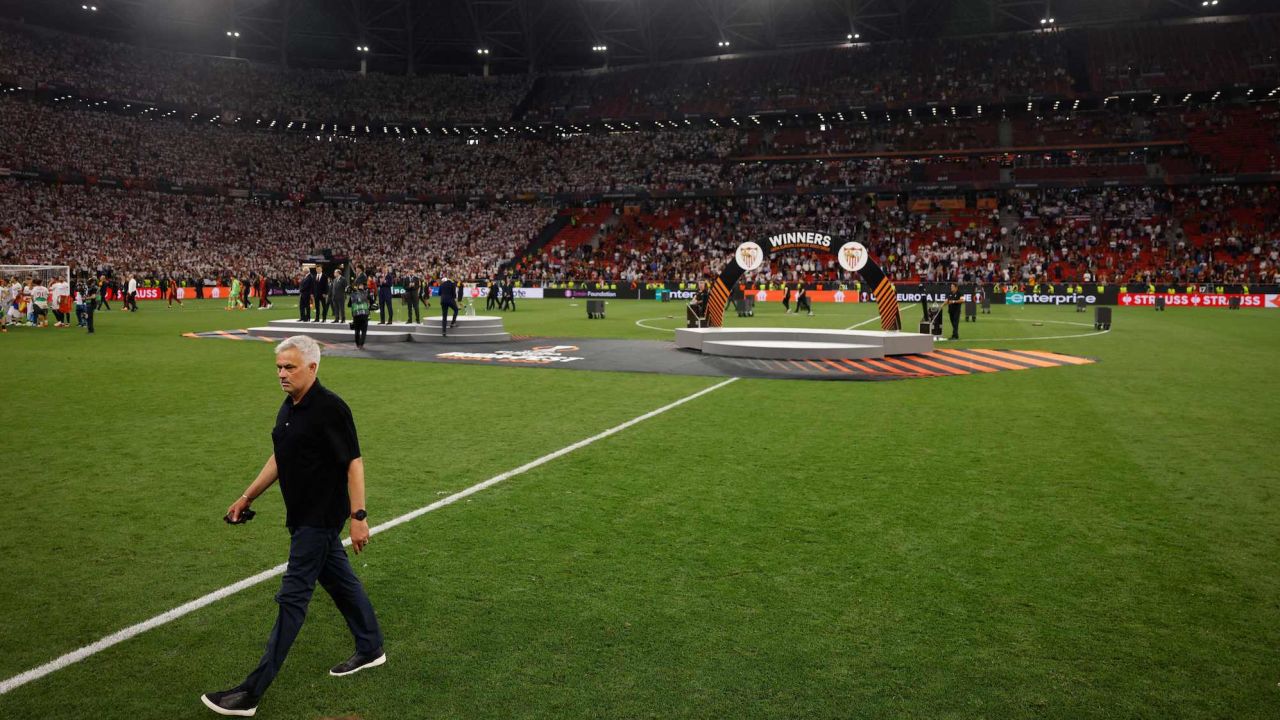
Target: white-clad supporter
[
  {"x": 11, "y": 311},
  {"x": 6, "y": 302},
  {"x": 40, "y": 304},
  {"x": 59, "y": 293},
  {"x": 13, "y": 315}
]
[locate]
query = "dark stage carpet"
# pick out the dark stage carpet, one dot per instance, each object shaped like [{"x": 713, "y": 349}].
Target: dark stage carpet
[{"x": 662, "y": 357}]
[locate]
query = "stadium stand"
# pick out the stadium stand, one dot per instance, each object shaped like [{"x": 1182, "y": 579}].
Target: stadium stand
[{"x": 236, "y": 192}]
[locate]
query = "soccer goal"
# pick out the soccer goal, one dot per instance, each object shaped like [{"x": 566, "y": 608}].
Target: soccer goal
[{"x": 44, "y": 274}]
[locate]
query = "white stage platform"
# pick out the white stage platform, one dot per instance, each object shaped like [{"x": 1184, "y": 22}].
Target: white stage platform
[
  {"x": 790, "y": 350},
  {"x": 470, "y": 329},
  {"x": 803, "y": 340}
]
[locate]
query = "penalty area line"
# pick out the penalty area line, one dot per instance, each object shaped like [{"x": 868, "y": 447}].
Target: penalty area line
[{"x": 132, "y": 631}]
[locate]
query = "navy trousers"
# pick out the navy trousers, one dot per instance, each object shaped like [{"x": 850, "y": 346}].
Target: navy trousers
[{"x": 315, "y": 554}]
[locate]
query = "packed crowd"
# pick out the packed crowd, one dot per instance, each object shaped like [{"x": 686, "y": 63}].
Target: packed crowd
[
  {"x": 1118, "y": 234},
  {"x": 1193, "y": 234},
  {"x": 945, "y": 71},
  {"x": 108, "y": 144},
  {"x": 1134, "y": 233},
  {"x": 70, "y": 139},
  {"x": 158, "y": 235},
  {"x": 114, "y": 70}
]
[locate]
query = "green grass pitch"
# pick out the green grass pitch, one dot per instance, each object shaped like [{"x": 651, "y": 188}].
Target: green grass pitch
[{"x": 1077, "y": 542}]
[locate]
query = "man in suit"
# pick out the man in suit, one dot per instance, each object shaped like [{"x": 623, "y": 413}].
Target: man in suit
[
  {"x": 338, "y": 296},
  {"x": 448, "y": 300},
  {"x": 386, "y": 313},
  {"x": 304, "y": 295},
  {"x": 412, "y": 287},
  {"x": 322, "y": 297}
]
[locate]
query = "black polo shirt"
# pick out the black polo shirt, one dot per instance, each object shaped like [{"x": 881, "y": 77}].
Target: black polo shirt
[{"x": 315, "y": 441}]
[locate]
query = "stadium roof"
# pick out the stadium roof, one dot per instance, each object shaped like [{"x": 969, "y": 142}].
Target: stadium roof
[{"x": 519, "y": 35}]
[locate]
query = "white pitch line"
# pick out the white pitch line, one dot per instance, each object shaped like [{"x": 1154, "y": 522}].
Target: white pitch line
[
  {"x": 1038, "y": 337},
  {"x": 873, "y": 318},
  {"x": 641, "y": 323},
  {"x": 116, "y": 638}
]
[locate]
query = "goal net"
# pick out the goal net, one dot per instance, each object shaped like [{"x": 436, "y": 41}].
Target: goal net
[{"x": 44, "y": 274}]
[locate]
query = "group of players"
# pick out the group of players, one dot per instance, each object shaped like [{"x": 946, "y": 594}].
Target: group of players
[
  {"x": 29, "y": 303},
  {"x": 238, "y": 296}
]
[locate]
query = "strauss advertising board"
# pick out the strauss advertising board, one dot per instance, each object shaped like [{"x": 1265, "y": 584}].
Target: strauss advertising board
[{"x": 1193, "y": 300}]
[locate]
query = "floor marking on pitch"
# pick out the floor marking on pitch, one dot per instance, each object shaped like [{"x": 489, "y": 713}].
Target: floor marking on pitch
[
  {"x": 874, "y": 318},
  {"x": 1043, "y": 337},
  {"x": 641, "y": 323},
  {"x": 75, "y": 656}
]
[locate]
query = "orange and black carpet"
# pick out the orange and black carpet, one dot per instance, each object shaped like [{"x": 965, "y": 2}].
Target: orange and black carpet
[
  {"x": 939, "y": 363},
  {"x": 227, "y": 335}
]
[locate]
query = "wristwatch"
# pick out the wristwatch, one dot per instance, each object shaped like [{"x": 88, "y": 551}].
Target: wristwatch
[{"x": 359, "y": 514}]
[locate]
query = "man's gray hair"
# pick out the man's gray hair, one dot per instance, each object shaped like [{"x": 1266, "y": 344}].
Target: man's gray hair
[{"x": 309, "y": 348}]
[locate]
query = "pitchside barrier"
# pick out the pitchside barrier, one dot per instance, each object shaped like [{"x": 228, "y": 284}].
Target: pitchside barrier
[{"x": 1259, "y": 296}]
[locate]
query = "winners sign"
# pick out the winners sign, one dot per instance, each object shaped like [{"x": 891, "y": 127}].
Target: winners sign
[{"x": 852, "y": 256}]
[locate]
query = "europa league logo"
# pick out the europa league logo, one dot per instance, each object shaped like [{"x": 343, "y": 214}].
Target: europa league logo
[
  {"x": 852, "y": 256},
  {"x": 749, "y": 256}
]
